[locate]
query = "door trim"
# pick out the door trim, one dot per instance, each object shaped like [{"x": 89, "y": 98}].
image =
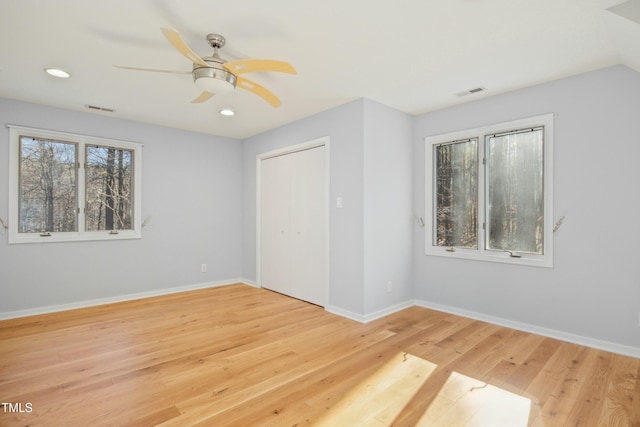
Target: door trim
[{"x": 319, "y": 142}]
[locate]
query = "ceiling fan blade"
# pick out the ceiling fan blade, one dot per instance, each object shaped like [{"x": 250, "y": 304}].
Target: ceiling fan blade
[
  {"x": 152, "y": 70},
  {"x": 174, "y": 38},
  {"x": 254, "y": 87},
  {"x": 204, "y": 96},
  {"x": 258, "y": 65}
]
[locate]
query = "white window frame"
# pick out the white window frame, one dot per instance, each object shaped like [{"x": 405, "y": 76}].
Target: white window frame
[
  {"x": 481, "y": 254},
  {"x": 15, "y": 132}
]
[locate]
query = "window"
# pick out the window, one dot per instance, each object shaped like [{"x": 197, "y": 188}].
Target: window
[
  {"x": 66, "y": 187},
  {"x": 489, "y": 193}
]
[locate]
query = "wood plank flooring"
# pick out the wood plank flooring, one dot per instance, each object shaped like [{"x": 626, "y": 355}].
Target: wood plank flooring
[{"x": 240, "y": 356}]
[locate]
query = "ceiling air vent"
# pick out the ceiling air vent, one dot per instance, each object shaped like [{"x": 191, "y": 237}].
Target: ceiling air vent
[
  {"x": 96, "y": 108},
  {"x": 471, "y": 91}
]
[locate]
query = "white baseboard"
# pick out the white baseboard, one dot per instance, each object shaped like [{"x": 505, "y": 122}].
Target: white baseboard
[
  {"x": 109, "y": 300},
  {"x": 249, "y": 282},
  {"x": 387, "y": 311},
  {"x": 366, "y": 318},
  {"x": 345, "y": 313},
  {"x": 362, "y": 318},
  {"x": 526, "y": 327}
]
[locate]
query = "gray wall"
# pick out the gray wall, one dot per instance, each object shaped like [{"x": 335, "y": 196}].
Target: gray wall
[
  {"x": 192, "y": 188},
  {"x": 388, "y": 219},
  {"x": 344, "y": 127},
  {"x": 594, "y": 288},
  {"x": 370, "y": 168},
  {"x": 377, "y": 166}
]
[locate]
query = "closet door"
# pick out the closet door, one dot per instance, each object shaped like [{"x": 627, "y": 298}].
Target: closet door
[
  {"x": 275, "y": 215},
  {"x": 308, "y": 225},
  {"x": 293, "y": 224}
]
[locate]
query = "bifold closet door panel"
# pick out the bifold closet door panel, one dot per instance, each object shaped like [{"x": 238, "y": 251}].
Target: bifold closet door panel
[
  {"x": 308, "y": 220},
  {"x": 275, "y": 212}
]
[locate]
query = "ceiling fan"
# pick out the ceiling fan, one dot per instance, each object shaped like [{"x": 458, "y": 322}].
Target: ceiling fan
[{"x": 214, "y": 75}]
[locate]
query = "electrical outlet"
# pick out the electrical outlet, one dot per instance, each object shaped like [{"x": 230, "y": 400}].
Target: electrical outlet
[
  {"x": 203, "y": 268},
  {"x": 389, "y": 286}
]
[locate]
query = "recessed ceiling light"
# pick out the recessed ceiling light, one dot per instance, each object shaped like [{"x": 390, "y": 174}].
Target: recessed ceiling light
[
  {"x": 56, "y": 72},
  {"x": 227, "y": 112}
]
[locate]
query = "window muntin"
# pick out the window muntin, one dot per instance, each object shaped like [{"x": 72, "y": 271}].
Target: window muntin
[
  {"x": 66, "y": 187},
  {"x": 512, "y": 209}
]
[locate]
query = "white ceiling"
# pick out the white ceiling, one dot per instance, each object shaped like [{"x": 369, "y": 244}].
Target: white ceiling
[{"x": 412, "y": 55}]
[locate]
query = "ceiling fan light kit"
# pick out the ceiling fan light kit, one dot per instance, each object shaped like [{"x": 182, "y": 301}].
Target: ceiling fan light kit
[
  {"x": 213, "y": 75},
  {"x": 213, "y": 79}
]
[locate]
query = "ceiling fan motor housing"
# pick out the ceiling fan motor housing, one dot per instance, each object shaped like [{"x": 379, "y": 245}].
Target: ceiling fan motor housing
[{"x": 216, "y": 41}]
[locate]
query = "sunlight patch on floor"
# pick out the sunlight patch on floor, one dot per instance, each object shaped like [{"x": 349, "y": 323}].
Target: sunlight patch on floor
[
  {"x": 379, "y": 399},
  {"x": 468, "y": 402},
  {"x": 461, "y": 402}
]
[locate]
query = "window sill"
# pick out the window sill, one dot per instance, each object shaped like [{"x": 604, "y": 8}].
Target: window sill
[
  {"x": 491, "y": 256},
  {"x": 74, "y": 237}
]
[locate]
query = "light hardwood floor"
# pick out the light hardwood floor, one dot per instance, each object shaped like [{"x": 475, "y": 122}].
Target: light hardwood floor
[{"x": 236, "y": 355}]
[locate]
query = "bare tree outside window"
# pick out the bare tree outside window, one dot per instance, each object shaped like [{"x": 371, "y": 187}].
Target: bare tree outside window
[
  {"x": 490, "y": 192},
  {"x": 456, "y": 194},
  {"x": 108, "y": 175},
  {"x": 47, "y": 189},
  {"x": 66, "y": 187},
  {"x": 515, "y": 206}
]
